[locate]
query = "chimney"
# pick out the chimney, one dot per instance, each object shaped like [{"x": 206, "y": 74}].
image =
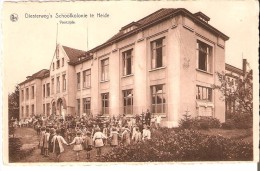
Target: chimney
[{"x": 244, "y": 66}]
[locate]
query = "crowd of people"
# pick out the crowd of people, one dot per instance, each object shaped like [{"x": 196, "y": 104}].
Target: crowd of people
[{"x": 86, "y": 132}]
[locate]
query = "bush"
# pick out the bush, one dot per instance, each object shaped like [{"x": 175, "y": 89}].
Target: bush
[
  {"x": 15, "y": 145},
  {"x": 199, "y": 122},
  {"x": 15, "y": 152},
  {"x": 242, "y": 121},
  {"x": 239, "y": 121},
  {"x": 229, "y": 124},
  {"x": 182, "y": 145}
]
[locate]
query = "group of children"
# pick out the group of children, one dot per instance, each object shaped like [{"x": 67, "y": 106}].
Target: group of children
[{"x": 52, "y": 140}]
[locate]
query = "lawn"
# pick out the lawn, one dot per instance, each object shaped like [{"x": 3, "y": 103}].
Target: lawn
[{"x": 244, "y": 134}]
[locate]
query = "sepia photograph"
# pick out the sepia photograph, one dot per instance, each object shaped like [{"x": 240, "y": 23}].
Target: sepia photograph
[{"x": 130, "y": 82}]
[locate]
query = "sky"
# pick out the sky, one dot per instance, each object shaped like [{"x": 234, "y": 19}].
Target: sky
[{"x": 29, "y": 43}]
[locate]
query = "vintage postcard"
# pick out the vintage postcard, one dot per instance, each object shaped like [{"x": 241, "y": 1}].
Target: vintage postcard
[{"x": 98, "y": 83}]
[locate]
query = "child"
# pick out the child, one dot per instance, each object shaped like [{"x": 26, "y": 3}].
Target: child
[
  {"x": 58, "y": 148},
  {"x": 105, "y": 132},
  {"x": 98, "y": 139},
  {"x": 126, "y": 136},
  {"x": 88, "y": 143},
  {"x": 146, "y": 133},
  {"x": 52, "y": 133},
  {"x": 42, "y": 140},
  {"x": 69, "y": 134},
  {"x": 77, "y": 141},
  {"x": 137, "y": 137},
  {"x": 114, "y": 137},
  {"x": 46, "y": 142}
]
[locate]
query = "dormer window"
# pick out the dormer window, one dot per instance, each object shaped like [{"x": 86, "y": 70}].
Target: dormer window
[
  {"x": 202, "y": 17},
  {"x": 129, "y": 27}
]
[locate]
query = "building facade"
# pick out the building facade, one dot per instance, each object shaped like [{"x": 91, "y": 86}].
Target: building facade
[{"x": 165, "y": 62}]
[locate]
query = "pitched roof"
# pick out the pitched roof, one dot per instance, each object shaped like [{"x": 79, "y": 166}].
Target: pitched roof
[
  {"x": 156, "y": 17},
  {"x": 144, "y": 21},
  {"x": 74, "y": 54},
  {"x": 38, "y": 75}
]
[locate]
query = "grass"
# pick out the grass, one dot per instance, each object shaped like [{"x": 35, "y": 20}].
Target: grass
[{"x": 244, "y": 134}]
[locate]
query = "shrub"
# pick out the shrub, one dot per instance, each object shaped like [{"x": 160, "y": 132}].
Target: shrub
[
  {"x": 14, "y": 148},
  {"x": 199, "y": 122},
  {"x": 15, "y": 152},
  {"x": 182, "y": 145},
  {"x": 229, "y": 124},
  {"x": 242, "y": 121}
]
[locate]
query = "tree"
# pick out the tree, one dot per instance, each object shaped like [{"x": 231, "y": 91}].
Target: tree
[
  {"x": 13, "y": 104},
  {"x": 240, "y": 93}
]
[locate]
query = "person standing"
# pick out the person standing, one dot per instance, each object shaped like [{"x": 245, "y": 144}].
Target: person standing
[
  {"x": 114, "y": 137},
  {"x": 77, "y": 141},
  {"x": 105, "y": 132},
  {"x": 158, "y": 121},
  {"x": 126, "y": 138},
  {"x": 58, "y": 142},
  {"x": 41, "y": 141},
  {"x": 46, "y": 142},
  {"x": 148, "y": 117},
  {"x": 88, "y": 143},
  {"x": 98, "y": 140},
  {"x": 137, "y": 136}
]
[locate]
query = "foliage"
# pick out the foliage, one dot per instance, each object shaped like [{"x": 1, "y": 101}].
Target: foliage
[
  {"x": 239, "y": 121},
  {"x": 15, "y": 152},
  {"x": 229, "y": 124},
  {"x": 240, "y": 93},
  {"x": 199, "y": 122},
  {"x": 13, "y": 103},
  {"x": 182, "y": 145}
]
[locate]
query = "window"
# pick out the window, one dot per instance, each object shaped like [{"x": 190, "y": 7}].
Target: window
[
  {"x": 58, "y": 64},
  {"x": 62, "y": 61},
  {"x": 204, "y": 56},
  {"x": 32, "y": 109},
  {"x": 158, "y": 99},
  {"x": 104, "y": 69},
  {"x": 204, "y": 93},
  {"x": 52, "y": 85},
  {"x": 64, "y": 82},
  {"x": 86, "y": 78},
  {"x": 78, "y": 80},
  {"x": 105, "y": 103},
  {"x": 27, "y": 110},
  {"x": 86, "y": 105},
  {"x": 53, "y": 66},
  {"x": 158, "y": 53},
  {"x": 128, "y": 101},
  {"x": 58, "y": 85},
  {"x": 22, "y": 112},
  {"x": 32, "y": 92},
  {"x": 48, "y": 109},
  {"x": 27, "y": 93},
  {"x": 43, "y": 108},
  {"x": 22, "y": 96},
  {"x": 43, "y": 90},
  {"x": 127, "y": 62},
  {"x": 78, "y": 104},
  {"x": 48, "y": 89}
]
